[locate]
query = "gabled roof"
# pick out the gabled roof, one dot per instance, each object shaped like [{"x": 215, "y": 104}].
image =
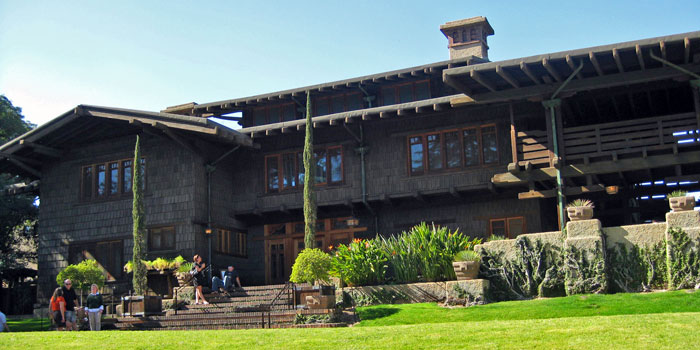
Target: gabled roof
[
  {"x": 238, "y": 104},
  {"x": 610, "y": 65},
  {"x": 87, "y": 124}
]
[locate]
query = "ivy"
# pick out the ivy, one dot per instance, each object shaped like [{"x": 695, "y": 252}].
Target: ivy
[
  {"x": 374, "y": 297},
  {"x": 637, "y": 268},
  {"x": 682, "y": 259},
  {"x": 585, "y": 270}
]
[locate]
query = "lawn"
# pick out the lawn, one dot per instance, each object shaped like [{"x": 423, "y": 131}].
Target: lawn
[
  {"x": 623, "y": 321},
  {"x": 28, "y": 324},
  {"x": 572, "y": 306}
]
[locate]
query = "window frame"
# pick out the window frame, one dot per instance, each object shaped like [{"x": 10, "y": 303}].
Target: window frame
[
  {"x": 329, "y": 103},
  {"x": 266, "y": 110},
  {"x": 506, "y": 221},
  {"x": 443, "y": 150},
  {"x": 149, "y": 232},
  {"x": 78, "y": 248},
  {"x": 397, "y": 87},
  {"x": 297, "y": 169},
  {"x": 240, "y": 239},
  {"x": 107, "y": 195}
]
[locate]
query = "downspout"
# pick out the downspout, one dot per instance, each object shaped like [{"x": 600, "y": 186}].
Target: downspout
[
  {"x": 363, "y": 149},
  {"x": 552, "y": 104}
]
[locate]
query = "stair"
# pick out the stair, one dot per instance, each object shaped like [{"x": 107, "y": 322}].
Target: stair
[{"x": 241, "y": 309}]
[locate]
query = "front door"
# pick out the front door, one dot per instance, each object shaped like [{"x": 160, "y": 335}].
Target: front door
[{"x": 276, "y": 263}]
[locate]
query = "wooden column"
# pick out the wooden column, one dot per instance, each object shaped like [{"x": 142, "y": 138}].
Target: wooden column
[{"x": 513, "y": 137}]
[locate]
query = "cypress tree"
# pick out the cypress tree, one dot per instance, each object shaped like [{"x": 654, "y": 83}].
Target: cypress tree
[
  {"x": 309, "y": 178},
  {"x": 137, "y": 212}
]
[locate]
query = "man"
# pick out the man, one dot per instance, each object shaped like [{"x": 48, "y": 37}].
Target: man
[
  {"x": 3, "y": 323},
  {"x": 71, "y": 301},
  {"x": 230, "y": 276}
]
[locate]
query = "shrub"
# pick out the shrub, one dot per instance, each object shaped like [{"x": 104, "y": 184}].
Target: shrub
[
  {"x": 403, "y": 257},
  {"x": 435, "y": 248},
  {"x": 467, "y": 255},
  {"x": 359, "y": 263},
  {"x": 310, "y": 266},
  {"x": 83, "y": 275},
  {"x": 185, "y": 267},
  {"x": 160, "y": 264}
]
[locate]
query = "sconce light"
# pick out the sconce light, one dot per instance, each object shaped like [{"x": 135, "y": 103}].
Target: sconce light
[{"x": 612, "y": 189}]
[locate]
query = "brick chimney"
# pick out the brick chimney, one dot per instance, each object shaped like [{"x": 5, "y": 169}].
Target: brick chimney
[{"x": 467, "y": 37}]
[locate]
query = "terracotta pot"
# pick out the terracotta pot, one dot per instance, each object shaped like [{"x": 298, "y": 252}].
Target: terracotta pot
[
  {"x": 466, "y": 270},
  {"x": 579, "y": 213},
  {"x": 681, "y": 203}
]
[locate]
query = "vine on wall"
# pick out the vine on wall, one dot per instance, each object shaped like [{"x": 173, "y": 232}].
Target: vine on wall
[
  {"x": 682, "y": 259},
  {"x": 585, "y": 270}
]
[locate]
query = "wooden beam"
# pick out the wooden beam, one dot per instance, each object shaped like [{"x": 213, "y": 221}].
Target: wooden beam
[
  {"x": 20, "y": 158},
  {"x": 271, "y": 132},
  {"x": 450, "y": 80},
  {"x": 507, "y": 77},
  {"x": 568, "y": 191},
  {"x": 349, "y": 120},
  {"x": 640, "y": 56},
  {"x": 596, "y": 168},
  {"x": 513, "y": 136},
  {"x": 595, "y": 63},
  {"x": 686, "y": 53},
  {"x": 480, "y": 79},
  {"x": 618, "y": 61},
  {"x": 177, "y": 138},
  {"x": 366, "y": 116},
  {"x": 528, "y": 72},
  {"x": 25, "y": 167},
  {"x": 573, "y": 66},
  {"x": 45, "y": 150},
  {"x": 551, "y": 70}
]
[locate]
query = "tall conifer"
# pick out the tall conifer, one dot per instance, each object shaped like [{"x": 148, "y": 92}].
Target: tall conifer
[
  {"x": 309, "y": 179},
  {"x": 139, "y": 268}
]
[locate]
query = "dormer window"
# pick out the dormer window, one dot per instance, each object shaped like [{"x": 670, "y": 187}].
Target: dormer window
[
  {"x": 407, "y": 92},
  {"x": 337, "y": 103},
  {"x": 274, "y": 114}
]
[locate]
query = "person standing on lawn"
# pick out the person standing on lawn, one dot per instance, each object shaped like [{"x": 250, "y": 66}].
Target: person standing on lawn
[
  {"x": 3, "y": 323},
  {"x": 58, "y": 309},
  {"x": 71, "y": 301},
  {"x": 94, "y": 308}
]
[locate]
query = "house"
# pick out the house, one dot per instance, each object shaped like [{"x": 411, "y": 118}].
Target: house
[{"x": 491, "y": 148}]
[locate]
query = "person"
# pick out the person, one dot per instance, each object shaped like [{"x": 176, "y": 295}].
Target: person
[
  {"x": 71, "y": 301},
  {"x": 58, "y": 309},
  {"x": 230, "y": 276},
  {"x": 94, "y": 308},
  {"x": 3, "y": 323},
  {"x": 198, "y": 270}
]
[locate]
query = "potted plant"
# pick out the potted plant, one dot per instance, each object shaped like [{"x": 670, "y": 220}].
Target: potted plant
[
  {"x": 311, "y": 266},
  {"x": 580, "y": 209},
  {"x": 680, "y": 201},
  {"x": 466, "y": 265},
  {"x": 183, "y": 274}
]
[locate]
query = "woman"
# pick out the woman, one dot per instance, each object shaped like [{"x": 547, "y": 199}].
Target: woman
[
  {"x": 58, "y": 309},
  {"x": 94, "y": 308},
  {"x": 199, "y": 279}
]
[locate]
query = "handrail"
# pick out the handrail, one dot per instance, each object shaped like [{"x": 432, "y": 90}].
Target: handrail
[{"x": 289, "y": 287}]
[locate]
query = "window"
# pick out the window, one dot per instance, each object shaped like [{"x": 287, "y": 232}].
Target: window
[
  {"x": 286, "y": 171},
  {"x": 337, "y": 103},
  {"x": 108, "y": 255},
  {"x": 452, "y": 149},
  {"x": 108, "y": 180},
  {"x": 274, "y": 114},
  {"x": 161, "y": 238},
  {"x": 407, "y": 92},
  {"x": 231, "y": 243},
  {"x": 508, "y": 227}
]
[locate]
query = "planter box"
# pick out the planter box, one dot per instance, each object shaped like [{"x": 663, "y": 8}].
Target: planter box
[
  {"x": 140, "y": 305},
  {"x": 320, "y": 301},
  {"x": 579, "y": 213},
  {"x": 466, "y": 270},
  {"x": 681, "y": 203}
]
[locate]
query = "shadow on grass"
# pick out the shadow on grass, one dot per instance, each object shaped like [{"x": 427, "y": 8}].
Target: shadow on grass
[{"x": 377, "y": 312}]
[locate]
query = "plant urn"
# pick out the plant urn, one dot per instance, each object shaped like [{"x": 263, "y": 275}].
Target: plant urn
[
  {"x": 677, "y": 204},
  {"x": 580, "y": 213},
  {"x": 466, "y": 270}
]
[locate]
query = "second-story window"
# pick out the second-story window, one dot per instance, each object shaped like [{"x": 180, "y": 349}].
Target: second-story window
[
  {"x": 452, "y": 149},
  {"x": 406, "y": 92},
  {"x": 337, "y": 103},
  {"x": 285, "y": 171},
  {"x": 108, "y": 180},
  {"x": 274, "y": 114}
]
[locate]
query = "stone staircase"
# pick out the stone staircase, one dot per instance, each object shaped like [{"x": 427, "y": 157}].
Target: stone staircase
[{"x": 270, "y": 306}]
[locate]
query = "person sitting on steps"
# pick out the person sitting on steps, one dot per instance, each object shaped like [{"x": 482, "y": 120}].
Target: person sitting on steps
[{"x": 230, "y": 276}]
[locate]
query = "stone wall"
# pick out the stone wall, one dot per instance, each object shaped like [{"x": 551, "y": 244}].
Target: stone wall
[
  {"x": 593, "y": 259},
  {"x": 428, "y": 292}
]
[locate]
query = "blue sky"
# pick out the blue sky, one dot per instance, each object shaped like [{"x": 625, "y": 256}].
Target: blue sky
[{"x": 148, "y": 55}]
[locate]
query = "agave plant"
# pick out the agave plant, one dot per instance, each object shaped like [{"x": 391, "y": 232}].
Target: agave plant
[
  {"x": 185, "y": 267},
  {"x": 580, "y": 203},
  {"x": 677, "y": 193},
  {"x": 467, "y": 255}
]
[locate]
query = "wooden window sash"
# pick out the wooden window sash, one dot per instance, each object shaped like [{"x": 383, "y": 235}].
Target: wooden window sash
[{"x": 329, "y": 166}]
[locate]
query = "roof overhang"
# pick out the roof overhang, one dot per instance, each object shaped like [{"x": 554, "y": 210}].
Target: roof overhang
[
  {"x": 86, "y": 124},
  {"x": 602, "y": 66},
  {"x": 383, "y": 112}
]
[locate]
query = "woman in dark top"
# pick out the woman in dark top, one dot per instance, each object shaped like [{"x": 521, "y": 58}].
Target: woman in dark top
[{"x": 199, "y": 278}]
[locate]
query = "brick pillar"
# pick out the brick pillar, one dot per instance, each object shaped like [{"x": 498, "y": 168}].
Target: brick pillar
[
  {"x": 584, "y": 257},
  {"x": 682, "y": 240}
]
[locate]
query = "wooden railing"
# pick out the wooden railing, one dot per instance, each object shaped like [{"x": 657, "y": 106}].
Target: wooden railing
[
  {"x": 628, "y": 136},
  {"x": 609, "y": 139}
]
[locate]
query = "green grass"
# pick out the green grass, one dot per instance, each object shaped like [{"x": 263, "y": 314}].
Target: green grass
[
  {"x": 667, "y": 320},
  {"x": 573, "y": 306},
  {"x": 28, "y": 324},
  {"x": 651, "y": 331}
]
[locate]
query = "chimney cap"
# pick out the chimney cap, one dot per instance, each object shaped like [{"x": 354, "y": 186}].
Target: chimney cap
[{"x": 468, "y": 22}]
